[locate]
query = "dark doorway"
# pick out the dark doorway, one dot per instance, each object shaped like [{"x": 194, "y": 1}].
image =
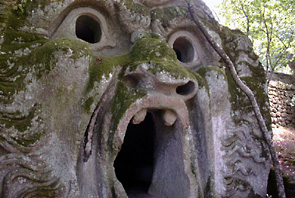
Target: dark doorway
[{"x": 134, "y": 163}]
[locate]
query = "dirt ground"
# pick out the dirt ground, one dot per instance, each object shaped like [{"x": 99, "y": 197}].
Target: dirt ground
[{"x": 284, "y": 141}]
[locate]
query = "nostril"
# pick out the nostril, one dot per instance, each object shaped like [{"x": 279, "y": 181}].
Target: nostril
[
  {"x": 186, "y": 89},
  {"x": 131, "y": 80}
]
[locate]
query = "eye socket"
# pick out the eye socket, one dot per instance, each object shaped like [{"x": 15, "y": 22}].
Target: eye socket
[
  {"x": 88, "y": 29},
  {"x": 184, "y": 50},
  {"x": 86, "y": 24}
]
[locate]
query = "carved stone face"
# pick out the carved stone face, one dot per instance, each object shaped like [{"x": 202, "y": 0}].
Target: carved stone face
[{"x": 103, "y": 98}]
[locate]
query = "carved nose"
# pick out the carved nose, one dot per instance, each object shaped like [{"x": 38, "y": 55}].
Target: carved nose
[
  {"x": 183, "y": 88},
  {"x": 187, "y": 89}
]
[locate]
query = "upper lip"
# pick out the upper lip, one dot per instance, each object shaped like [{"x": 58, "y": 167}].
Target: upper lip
[{"x": 173, "y": 108}]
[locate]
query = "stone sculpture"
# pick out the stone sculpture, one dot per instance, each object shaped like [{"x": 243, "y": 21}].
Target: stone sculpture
[{"x": 110, "y": 98}]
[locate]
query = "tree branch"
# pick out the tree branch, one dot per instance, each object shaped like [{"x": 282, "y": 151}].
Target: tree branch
[
  {"x": 274, "y": 65},
  {"x": 247, "y": 18},
  {"x": 244, "y": 88},
  {"x": 269, "y": 38}
]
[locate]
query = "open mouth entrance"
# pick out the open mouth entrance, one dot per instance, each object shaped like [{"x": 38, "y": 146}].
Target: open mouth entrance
[{"x": 134, "y": 163}]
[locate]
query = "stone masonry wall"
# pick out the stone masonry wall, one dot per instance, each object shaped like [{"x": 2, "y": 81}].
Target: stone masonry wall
[{"x": 281, "y": 92}]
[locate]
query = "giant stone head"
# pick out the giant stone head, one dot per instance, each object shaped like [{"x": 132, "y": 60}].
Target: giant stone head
[{"x": 126, "y": 98}]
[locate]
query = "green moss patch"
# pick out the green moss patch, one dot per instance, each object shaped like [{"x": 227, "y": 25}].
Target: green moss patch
[
  {"x": 239, "y": 100},
  {"x": 200, "y": 79},
  {"x": 123, "y": 99},
  {"x": 148, "y": 49},
  {"x": 88, "y": 104},
  {"x": 166, "y": 15},
  {"x": 39, "y": 60},
  {"x": 256, "y": 84},
  {"x": 45, "y": 55},
  {"x": 20, "y": 122},
  {"x": 137, "y": 8},
  {"x": 104, "y": 66}
]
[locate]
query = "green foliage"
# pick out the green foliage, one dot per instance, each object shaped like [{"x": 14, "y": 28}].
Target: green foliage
[
  {"x": 20, "y": 6},
  {"x": 269, "y": 24}
]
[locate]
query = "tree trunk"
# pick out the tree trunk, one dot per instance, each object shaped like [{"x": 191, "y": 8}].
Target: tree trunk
[{"x": 244, "y": 88}]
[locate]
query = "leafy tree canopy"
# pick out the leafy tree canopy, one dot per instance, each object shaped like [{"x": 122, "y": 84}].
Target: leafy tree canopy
[{"x": 270, "y": 26}]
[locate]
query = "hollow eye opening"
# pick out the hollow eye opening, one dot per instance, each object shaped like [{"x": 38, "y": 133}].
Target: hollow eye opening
[
  {"x": 88, "y": 29},
  {"x": 184, "y": 50}
]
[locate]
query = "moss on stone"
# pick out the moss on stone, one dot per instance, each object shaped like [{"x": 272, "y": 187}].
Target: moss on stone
[
  {"x": 256, "y": 84},
  {"x": 167, "y": 14},
  {"x": 203, "y": 72},
  {"x": 171, "y": 69},
  {"x": 229, "y": 39},
  {"x": 257, "y": 71},
  {"x": 14, "y": 40},
  {"x": 200, "y": 79},
  {"x": 38, "y": 61},
  {"x": 45, "y": 55},
  {"x": 88, "y": 104},
  {"x": 137, "y": 8},
  {"x": 160, "y": 57},
  {"x": 209, "y": 188},
  {"x": 148, "y": 49},
  {"x": 49, "y": 190},
  {"x": 23, "y": 141},
  {"x": 102, "y": 67},
  {"x": 240, "y": 101},
  {"x": 20, "y": 122},
  {"x": 25, "y": 7},
  {"x": 16, "y": 12},
  {"x": 123, "y": 99}
]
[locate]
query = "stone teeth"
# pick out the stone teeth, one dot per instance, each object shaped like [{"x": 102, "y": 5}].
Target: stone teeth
[
  {"x": 139, "y": 116},
  {"x": 169, "y": 118}
]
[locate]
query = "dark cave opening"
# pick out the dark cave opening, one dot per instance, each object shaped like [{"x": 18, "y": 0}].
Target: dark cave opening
[
  {"x": 88, "y": 29},
  {"x": 134, "y": 163}
]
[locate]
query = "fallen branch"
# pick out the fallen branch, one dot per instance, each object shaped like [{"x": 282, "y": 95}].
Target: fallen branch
[{"x": 244, "y": 88}]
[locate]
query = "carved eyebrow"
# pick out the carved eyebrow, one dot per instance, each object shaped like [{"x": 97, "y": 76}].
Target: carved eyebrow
[
  {"x": 168, "y": 18},
  {"x": 104, "y": 7}
]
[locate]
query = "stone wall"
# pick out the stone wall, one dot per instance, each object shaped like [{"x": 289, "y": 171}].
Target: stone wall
[{"x": 281, "y": 91}]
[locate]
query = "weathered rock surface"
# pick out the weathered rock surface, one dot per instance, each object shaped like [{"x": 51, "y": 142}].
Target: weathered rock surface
[
  {"x": 107, "y": 98},
  {"x": 281, "y": 92}
]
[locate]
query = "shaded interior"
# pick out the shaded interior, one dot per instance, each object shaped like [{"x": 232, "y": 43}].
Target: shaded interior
[
  {"x": 184, "y": 50},
  {"x": 186, "y": 89},
  {"x": 134, "y": 163},
  {"x": 88, "y": 29}
]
